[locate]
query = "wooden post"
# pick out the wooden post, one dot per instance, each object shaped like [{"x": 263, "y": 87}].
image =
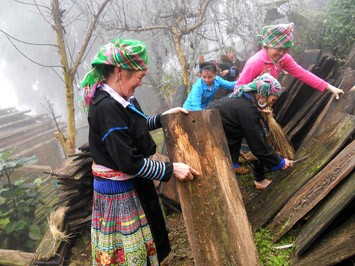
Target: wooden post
[{"x": 212, "y": 205}]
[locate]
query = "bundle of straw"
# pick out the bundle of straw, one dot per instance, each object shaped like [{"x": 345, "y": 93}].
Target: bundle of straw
[{"x": 279, "y": 140}]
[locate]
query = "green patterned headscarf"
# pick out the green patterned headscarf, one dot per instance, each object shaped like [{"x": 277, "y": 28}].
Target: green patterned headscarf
[
  {"x": 277, "y": 36},
  {"x": 124, "y": 53},
  {"x": 265, "y": 84},
  {"x": 229, "y": 49}
]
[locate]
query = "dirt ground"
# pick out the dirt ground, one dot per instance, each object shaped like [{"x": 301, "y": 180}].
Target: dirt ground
[{"x": 180, "y": 254}]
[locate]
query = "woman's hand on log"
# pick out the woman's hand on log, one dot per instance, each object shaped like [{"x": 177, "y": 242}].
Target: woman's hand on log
[
  {"x": 184, "y": 172},
  {"x": 288, "y": 163},
  {"x": 335, "y": 91},
  {"x": 175, "y": 110}
]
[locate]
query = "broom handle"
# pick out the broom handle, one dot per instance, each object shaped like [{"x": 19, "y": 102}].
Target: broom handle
[{"x": 301, "y": 159}]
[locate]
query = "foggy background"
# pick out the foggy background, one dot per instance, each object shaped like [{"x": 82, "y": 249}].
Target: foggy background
[{"x": 30, "y": 72}]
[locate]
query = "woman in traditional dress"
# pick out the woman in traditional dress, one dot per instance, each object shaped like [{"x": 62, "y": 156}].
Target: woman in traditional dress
[
  {"x": 242, "y": 117},
  {"x": 128, "y": 225},
  {"x": 276, "y": 41}
]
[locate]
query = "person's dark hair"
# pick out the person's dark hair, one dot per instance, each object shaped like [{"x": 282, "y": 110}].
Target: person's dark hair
[
  {"x": 209, "y": 66},
  {"x": 107, "y": 70},
  {"x": 225, "y": 59}
]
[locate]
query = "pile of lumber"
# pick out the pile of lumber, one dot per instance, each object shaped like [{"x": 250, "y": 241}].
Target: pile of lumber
[
  {"x": 73, "y": 209},
  {"x": 315, "y": 198}
]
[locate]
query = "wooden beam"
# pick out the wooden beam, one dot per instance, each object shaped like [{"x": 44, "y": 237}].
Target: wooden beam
[
  {"x": 330, "y": 208},
  {"x": 13, "y": 114},
  {"x": 36, "y": 168},
  {"x": 212, "y": 204},
  {"x": 5, "y": 110},
  {"x": 328, "y": 137},
  {"x": 27, "y": 129},
  {"x": 313, "y": 192},
  {"x": 325, "y": 143},
  {"x": 70, "y": 167},
  {"x": 15, "y": 257},
  {"x": 16, "y": 122},
  {"x": 22, "y": 143},
  {"x": 334, "y": 247}
]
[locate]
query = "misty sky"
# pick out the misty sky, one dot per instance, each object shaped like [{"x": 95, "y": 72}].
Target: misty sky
[{"x": 26, "y": 84}]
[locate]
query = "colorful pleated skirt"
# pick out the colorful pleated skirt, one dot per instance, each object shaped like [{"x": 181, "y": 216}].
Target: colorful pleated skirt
[{"x": 120, "y": 233}]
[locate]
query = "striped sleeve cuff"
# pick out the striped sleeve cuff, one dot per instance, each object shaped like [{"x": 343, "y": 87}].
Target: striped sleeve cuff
[
  {"x": 154, "y": 170},
  {"x": 153, "y": 122}
]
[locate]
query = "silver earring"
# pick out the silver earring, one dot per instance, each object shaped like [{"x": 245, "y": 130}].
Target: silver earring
[{"x": 262, "y": 105}]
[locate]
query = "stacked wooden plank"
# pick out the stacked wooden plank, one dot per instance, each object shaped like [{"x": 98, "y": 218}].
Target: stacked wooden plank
[
  {"x": 29, "y": 134},
  {"x": 73, "y": 208},
  {"x": 316, "y": 196}
]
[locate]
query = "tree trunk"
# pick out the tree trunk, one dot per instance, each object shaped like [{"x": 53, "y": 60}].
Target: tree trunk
[
  {"x": 212, "y": 204},
  {"x": 70, "y": 140},
  {"x": 180, "y": 53}
]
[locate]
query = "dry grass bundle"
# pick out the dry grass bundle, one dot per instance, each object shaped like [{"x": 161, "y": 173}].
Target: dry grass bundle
[
  {"x": 54, "y": 236},
  {"x": 55, "y": 223},
  {"x": 279, "y": 140}
]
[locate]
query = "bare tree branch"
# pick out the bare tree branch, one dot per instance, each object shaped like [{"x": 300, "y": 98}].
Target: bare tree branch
[
  {"x": 28, "y": 57},
  {"x": 29, "y": 43},
  {"x": 29, "y": 4},
  {"x": 40, "y": 11},
  {"x": 87, "y": 39}
]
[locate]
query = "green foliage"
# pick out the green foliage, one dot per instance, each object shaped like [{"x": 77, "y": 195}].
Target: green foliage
[
  {"x": 18, "y": 202},
  {"x": 158, "y": 137},
  {"x": 268, "y": 254},
  {"x": 331, "y": 26},
  {"x": 339, "y": 29}
]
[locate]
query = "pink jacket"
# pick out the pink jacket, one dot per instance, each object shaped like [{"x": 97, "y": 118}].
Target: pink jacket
[{"x": 261, "y": 63}]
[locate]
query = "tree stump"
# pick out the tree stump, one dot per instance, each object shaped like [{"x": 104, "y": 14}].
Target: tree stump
[{"x": 217, "y": 225}]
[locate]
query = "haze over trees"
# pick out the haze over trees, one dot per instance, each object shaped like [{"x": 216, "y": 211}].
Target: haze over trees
[{"x": 49, "y": 46}]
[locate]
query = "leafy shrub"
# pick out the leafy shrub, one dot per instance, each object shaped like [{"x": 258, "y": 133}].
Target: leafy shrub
[
  {"x": 339, "y": 29},
  {"x": 18, "y": 202}
]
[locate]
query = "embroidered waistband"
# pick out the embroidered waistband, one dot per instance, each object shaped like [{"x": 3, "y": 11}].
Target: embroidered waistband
[{"x": 105, "y": 172}]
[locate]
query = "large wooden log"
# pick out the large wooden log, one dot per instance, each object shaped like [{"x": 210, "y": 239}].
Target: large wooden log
[
  {"x": 212, "y": 204},
  {"x": 336, "y": 246},
  {"x": 313, "y": 192},
  {"x": 330, "y": 208}
]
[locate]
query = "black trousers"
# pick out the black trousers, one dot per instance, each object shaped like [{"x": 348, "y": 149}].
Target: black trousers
[{"x": 258, "y": 171}]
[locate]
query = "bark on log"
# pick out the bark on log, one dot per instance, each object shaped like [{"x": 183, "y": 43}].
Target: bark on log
[
  {"x": 313, "y": 192},
  {"x": 212, "y": 204},
  {"x": 326, "y": 213},
  {"x": 14, "y": 257}
]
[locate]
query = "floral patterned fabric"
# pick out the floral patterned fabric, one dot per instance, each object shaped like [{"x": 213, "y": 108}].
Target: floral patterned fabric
[{"x": 120, "y": 234}]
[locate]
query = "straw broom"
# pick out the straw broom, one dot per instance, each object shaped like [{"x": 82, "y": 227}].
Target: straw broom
[{"x": 278, "y": 139}]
